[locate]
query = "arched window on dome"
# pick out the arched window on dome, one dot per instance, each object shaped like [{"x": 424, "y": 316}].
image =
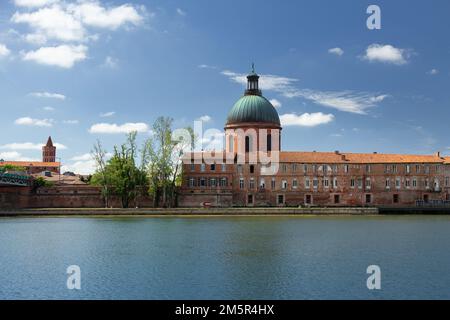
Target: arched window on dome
[
  {"x": 231, "y": 143},
  {"x": 269, "y": 142},
  {"x": 248, "y": 143}
]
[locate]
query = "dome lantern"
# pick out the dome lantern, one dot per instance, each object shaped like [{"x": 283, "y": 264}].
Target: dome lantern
[{"x": 253, "y": 83}]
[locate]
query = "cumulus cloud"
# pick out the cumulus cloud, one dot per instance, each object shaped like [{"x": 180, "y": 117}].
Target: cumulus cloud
[
  {"x": 336, "y": 51},
  {"x": 63, "y": 56},
  {"x": 34, "y": 3},
  {"x": 4, "y": 51},
  {"x": 51, "y": 23},
  {"x": 15, "y": 156},
  {"x": 112, "y": 128},
  {"x": 275, "y": 103},
  {"x": 29, "y": 146},
  {"x": 431, "y": 72},
  {"x": 306, "y": 119},
  {"x": 385, "y": 53},
  {"x": 205, "y": 118},
  {"x": 95, "y": 15},
  {"x": 49, "y": 95},
  {"x": 82, "y": 164},
  {"x": 346, "y": 101},
  {"x": 48, "y": 108},
  {"x": 27, "y": 121}
]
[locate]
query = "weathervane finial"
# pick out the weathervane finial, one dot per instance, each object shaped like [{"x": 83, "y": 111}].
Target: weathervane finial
[{"x": 253, "y": 67}]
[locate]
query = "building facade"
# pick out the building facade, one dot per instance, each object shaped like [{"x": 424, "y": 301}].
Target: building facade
[
  {"x": 253, "y": 171},
  {"x": 48, "y": 163}
]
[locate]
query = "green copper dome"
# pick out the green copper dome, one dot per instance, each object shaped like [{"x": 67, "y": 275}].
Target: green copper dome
[{"x": 253, "y": 108}]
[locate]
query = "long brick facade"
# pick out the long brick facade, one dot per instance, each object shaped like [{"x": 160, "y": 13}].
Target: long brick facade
[{"x": 241, "y": 175}]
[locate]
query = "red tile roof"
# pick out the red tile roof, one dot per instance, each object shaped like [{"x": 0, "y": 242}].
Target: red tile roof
[
  {"x": 30, "y": 163},
  {"x": 358, "y": 158}
]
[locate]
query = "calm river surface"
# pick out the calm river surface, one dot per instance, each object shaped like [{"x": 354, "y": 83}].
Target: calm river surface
[{"x": 226, "y": 257}]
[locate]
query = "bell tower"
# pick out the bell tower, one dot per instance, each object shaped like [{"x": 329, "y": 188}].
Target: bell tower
[{"x": 49, "y": 151}]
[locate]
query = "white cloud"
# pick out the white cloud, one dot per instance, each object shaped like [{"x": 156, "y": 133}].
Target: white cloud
[
  {"x": 93, "y": 14},
  {"x": 107, "y": 114},
  {"x": 431, "y": 72},
  {"x": 29, "y": 146},
  {"x": 181, "y": 12},
  {"x": 346, "y": 101},
  {"x": 110, "y": 62},
  {"x": 27, "y": 121},
  {"x": 205, "y": 118},
  {"x": 336, "y": 51},
  {"x": 80, "y": 167},
  {"x": 266, "y": 82},
  {"x": 52, "y": 23},
  {"x": 49, "y": 108},
  {"x": 385, "y": 53},
  {"x": 15, "y": 156},
  {"x": 34, "y": 3},
  {"x": 4, "y": 51},
  {"x": 48, "y": 95},
  {"x": 306, "y": 119},
  {"x": 275, "y": 103},
  {"x": 112, "y": 128},
  {"x": 64, "y": 56},
  {"x": 206, "y": 66},
  {"x": 83, "y": 157},
  {"x": 71, "y": 121}
]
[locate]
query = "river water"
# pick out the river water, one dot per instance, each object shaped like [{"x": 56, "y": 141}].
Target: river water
[{"x": 225, "y": 257}]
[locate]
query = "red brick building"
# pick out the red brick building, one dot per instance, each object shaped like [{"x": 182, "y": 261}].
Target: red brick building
[
  {"x": 48, "y": 162},
  {"x": 253, "y": 171}
]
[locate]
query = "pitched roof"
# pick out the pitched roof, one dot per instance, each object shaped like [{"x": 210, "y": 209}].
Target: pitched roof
[
  {"x": 49, "y": 142},
  {"x": 359, "y": 158},
  {"x": 30, "y": 163}
]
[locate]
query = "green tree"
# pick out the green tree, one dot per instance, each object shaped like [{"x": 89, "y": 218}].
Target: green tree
[
  {"x": 165, "y": 151},
  {"x": 120, "y": 174}
]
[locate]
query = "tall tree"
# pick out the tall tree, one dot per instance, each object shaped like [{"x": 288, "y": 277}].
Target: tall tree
[{"x": 101, "y": 177}]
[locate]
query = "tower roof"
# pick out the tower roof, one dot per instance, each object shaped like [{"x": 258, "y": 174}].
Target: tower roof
[{"x": 49, "y": 142}]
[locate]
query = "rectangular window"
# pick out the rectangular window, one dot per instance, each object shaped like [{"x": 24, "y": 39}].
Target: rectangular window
[
  {"x": 192, "y": 167},
  {"x": 394, "y": 168},
  {"x": 213, "y": 182},
  {"x": 368, "y": 168},
  {"x": 305, "y": 168},
  {"x": 202, "y": 182},
  {"x": 203, "y": 167},
  {"x": 252, "y": 183},
  {"x": 335, "y": 168},
  {"x": 241, "y": 183},
  {"x": 408, "y": 168},
  {"x": 368, "y": 198},
  {"x": 352, "y": 183},
  {"x": 346, "y": 168},
  {"x": 280, "y": 199},
  {"x": 388, "y": 183},
  {"x": 191, "y": 182},
  {"x": 417, "y": 168},
  {"x": 414, "y": 183},
  {"x": 284, "y": 168},
  {"x": 213, "y": 167},
  {"x": 284, "y": 184},
  {"x": 398, "y": 183},
  {"x": 427, "y": 169},
  {"x": 447, "y": 181},
  {"x": 224, "y": 167},
  {"x": 252, "y": 169},
  {"x": 335, "y": 182},
  {"x": 273, "y": 184},
  {"x": 294, "y": 167},
  {"x": 407, "y": 183},
  {"x": 427, "y": 183},
  {"x": 395, "y": 198},
  {"x": 315, "y": 183},
  {"x": 326, "y": 183},
  {"x": 368, "y": 183},
  {"x": 307, "y": 183},
  {"x": 337, "y": 199},
  {"x": 308, "y": 199},
  {"x": 239, "y": 168},
  {"x": 223, "y": 182},
  {"x": 250, "y": 199},
  {"x": 325, "y": 169},
  {"x": 294, "y": 183},
  {"x": 360, "y": 184}
]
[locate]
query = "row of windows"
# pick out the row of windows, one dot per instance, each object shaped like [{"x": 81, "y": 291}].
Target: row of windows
[
  {"x": 359, "y": 183},
  {"x": 211, "y": 167},
  {"x": 207, "y": 182}
]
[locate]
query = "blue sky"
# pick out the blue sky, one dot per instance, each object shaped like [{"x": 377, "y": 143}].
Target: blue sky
[{"x": 86, "y": 70}]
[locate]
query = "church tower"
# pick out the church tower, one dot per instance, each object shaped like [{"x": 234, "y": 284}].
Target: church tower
[{"x": 49, "y": 151}]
